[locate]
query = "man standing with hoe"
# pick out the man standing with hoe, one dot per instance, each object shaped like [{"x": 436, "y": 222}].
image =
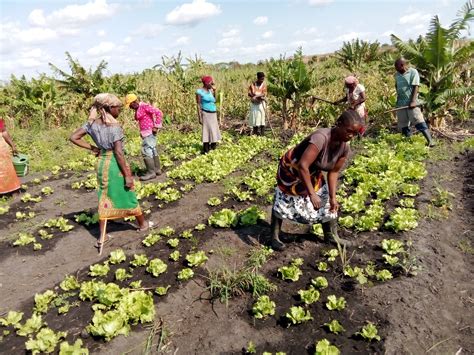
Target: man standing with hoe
[
  {"x": 407, "y": 81},
  {"x": 150, "y": 121}
]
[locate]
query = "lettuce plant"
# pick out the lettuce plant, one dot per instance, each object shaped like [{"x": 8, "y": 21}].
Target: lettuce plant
[
  {"x": 156, "y": 267},
  {"x": 109, "y": 324},
  {"x": 117, "y": 256},
  {"x": 320, "y": 282},
  {"x": 45, "y": 342},
  {"x": 392, "y": 246},
  {"x": 173, "y": 242},
  {"x": 297, "y": 315},
  {"x": 187, "y": 234},
  {"x": 214, "y": 201},
  {"x": 369, "y": 332},
  {"x": 175, "y": 255},
  {"x": 99, "y": 269},
  {"x": 44, "y": 235},
  {"x": 162, "y": 290},
  {"x": 138, "y": 306},
  {"x": 166, "y": 231},
  {"x": 335, "y": 327},
  {"x": 121, "y": 274},
  {"x": 346, "y": 222},
  {"x": 151, "y": 239},
  {"x": 69, "y": 283},
  {"x": 383, "y": 275},
  {"x": 324, "y": 347},
  {"x": 309, "y": 296},
  {"x": 12, "y": 318},
  {"x": 331, "y": 254},
  {"x": 197, "y": 258},
  {"x": 139, "y": 260},
  {"x": 263, "y": 307},
  {"x": 47, "y": 190},
  {"x": 42, "y": 301},
  {"x": 322, "y": 266},
  {"x": 335, "y": 303},
  {"x": 24, "y": 239},
  {"x": 291, "y": 272},
  {"x": 200, "y": 227},
  {"x": 185, "y": 274},
  {"x": 224, "y": 218},
  {"x": 76, "y": 349},
  {"x": 31, "y": 325},
  {"x": 390, "y": 259},
  {"x": 251, "y": 216}
]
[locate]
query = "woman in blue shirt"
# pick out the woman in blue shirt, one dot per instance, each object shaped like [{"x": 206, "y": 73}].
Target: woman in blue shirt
[{"x": 207, "y": 113}]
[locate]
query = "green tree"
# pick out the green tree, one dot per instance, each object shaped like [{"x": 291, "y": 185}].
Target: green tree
[
  {"x": 444, "y": 60},
  {"x": 290, "y": 81}
]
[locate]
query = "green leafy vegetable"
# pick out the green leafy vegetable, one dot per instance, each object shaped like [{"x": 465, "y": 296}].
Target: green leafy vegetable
[
  {"x": 309, "y": 296},
  {"x": 99, "y": 269},
  {"x": 263, "y": 307},
  {"x": 214, "y": 201},
  {"x": 161, "y": 290},
  {"x": 383, "y": 275},
  {"x": 298, "y": 315},
  {"x": 324, "y": 347},
  {"x": 76, "y": 349},
  {"x": 117, "y": 256},
  {"x": 224, "y": 218},
  {"x": 175, "y": 255},
  {"x": 320, "y": 282},
  {"x": 122, "y": 274},
  {"x": 42, "y": 301},
  {"x": 69, "y": 283},
  {"x": 335, "y": 303},
  {"x": 12, "y": 318},
  {"x": 291, "y": 272},
  {"x": 173, "y": 242},
  {"x": 185, "y": 274},
  {"x": 335, "y": 327},
  {"x": 251, "y": 216},
  {"x": 139, "y": 260},
  {"x": 369, "y": 332},
  {"x": 196, "y": 259},
  {"x": 45, "y": 342},
  {"x": 151, "y": 239},
  {"x": 156, "y": 267}
]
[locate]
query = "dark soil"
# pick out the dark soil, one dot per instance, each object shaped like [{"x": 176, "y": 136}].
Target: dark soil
[{"x": 432, "y": 311}]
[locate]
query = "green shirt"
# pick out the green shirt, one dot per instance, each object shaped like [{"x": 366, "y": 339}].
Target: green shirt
[{"x": 405, "y": 83}]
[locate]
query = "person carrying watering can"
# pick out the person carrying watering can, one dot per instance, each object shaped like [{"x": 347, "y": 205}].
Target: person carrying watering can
[{"x": 150, "y": 121}]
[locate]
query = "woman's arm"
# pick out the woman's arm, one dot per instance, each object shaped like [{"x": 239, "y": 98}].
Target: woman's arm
[
  {"x": 76, "y": 138},
  {"x": 198, "y": 102},
  {"x": 340, "y": 101},
  {"x": 9, "y": 141},
  {"x": 360, "y": 100},
  {"x": 309, "y": 156},
  {"x": 118, "y": 152},
  {"x": 333, "y": 175}
]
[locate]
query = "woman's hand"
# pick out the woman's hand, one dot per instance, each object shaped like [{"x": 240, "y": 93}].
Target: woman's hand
[
  {"x": 129, "y": 182},
  {"x": 95, "y": 150},
  {"x": 334, "y": 205},
  {"x": 316, "y": 201}
]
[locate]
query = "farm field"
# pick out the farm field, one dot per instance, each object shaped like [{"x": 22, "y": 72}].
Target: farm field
[{"x": 198, "y": 282}]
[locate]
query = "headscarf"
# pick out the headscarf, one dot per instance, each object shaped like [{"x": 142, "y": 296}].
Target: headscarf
[
  {"x": 350, "y": 80},
  {"x": 206, "y": 80},
  {"x": 98, "y": 108}
]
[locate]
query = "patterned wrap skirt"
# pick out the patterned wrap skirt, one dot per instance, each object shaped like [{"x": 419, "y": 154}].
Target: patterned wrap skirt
[
  {"x": 9, "y": 181},
  {"x": 300, "y": 209},
  {"x": 115, "y": 200}
]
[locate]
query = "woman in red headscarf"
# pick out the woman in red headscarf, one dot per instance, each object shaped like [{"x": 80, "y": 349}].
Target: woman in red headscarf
[
  {"x": 9, "y": 181},
  {"x": 207, "y": 114}
]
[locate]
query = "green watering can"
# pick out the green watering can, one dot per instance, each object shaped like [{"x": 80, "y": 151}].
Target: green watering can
[{"x": 20, "y": 162}]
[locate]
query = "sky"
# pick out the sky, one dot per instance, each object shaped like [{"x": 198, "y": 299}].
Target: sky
[{"x": 134, "y": 35}]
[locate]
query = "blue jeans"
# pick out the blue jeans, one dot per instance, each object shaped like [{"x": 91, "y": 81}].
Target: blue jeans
[{"x": 149, "y": 146}]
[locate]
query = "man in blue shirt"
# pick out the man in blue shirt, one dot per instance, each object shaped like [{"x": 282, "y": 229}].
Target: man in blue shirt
[{"x": 407, "y": 81}]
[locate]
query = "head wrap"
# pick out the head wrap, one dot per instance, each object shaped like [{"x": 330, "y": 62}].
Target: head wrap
[
  {"x": 129, "y": 99},
  {"x": 350, "y": 80},
  {"x": 206, "y": 80},
  {"x": 101, "y": 101},
  {"x": 2, "y": 125}
]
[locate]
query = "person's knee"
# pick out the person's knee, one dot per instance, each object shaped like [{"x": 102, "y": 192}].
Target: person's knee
[
  {"x": 406, "y": 131},
  {"x": 422, "y": 126}
]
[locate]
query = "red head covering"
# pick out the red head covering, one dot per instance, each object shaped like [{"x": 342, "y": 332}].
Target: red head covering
[
  {"x": 2, "y": 125},
  {"x": 206, "y": 80}
]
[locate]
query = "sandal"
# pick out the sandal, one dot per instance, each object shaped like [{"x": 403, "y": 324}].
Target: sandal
[
  {"x": 98, "y": 244},
  {"x": 150, "y": 225}
]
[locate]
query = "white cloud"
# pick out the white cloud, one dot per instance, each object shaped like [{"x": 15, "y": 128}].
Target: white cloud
[
  {"x": 101, "y": 49},
  {"x": 74, "y": 15},
  {"x": 148, "y": 30},
  {"x": 414, "y": 18},
  {"x": 299, "y": 44},
  {"x": 260, "y": 20},
  {"x": 192, "y": 13},
  {"x": 350, "y": 36},
  {"x": 101, "y": 33},
  {"x": 319, "y": 2},
  {"x": 230, "y": 42},
  {"x": 259, "y": 48},
  {"x": 267, "y": 34},
  {"x": 36, "y": 18},
  {"x": 182, "y": 40},
  {"x": 307, "y": 31},
  {"x": 127, "y": 40},
  {"x": 388, "y": 33},
  {"x": 230, "y": 33}
]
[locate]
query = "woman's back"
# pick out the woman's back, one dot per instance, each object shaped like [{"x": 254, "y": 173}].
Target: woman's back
[{"x": 104, "y": 135}]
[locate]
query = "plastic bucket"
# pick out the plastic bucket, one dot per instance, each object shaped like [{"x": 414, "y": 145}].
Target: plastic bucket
[{"x": 20, "y": 162}]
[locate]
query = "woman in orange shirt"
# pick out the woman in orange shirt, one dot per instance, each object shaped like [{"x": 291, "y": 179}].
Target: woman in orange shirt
[{"x": 9, "y": 181}]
